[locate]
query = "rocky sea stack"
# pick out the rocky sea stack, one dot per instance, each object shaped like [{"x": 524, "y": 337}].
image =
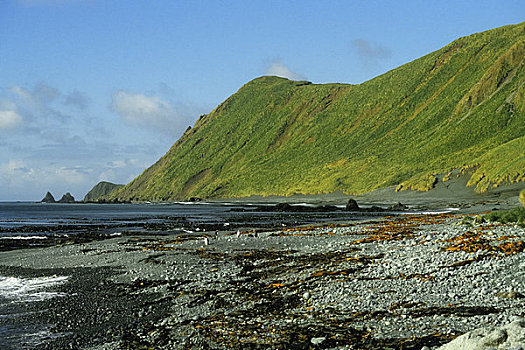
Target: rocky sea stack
[
  {"x": 48, "y": 198},
  {"x": 67, "y": 198}
]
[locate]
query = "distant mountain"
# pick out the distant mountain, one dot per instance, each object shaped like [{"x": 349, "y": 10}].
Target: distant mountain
[
  {"x": 459, "y": 108},
  {"x": 103, "y": 188}
]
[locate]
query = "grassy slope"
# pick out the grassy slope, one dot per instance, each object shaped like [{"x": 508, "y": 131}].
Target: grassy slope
[
  {"x": 100, "y": 190},
  {"x": 461, "y": 106}
]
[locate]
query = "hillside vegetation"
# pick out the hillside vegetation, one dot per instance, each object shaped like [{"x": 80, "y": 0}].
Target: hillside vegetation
[
  {"x": 101, "y": 190},
  {"x": 461, "y": 107}
]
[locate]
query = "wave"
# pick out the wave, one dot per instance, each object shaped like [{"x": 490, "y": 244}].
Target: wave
[{"x": 17, "y": 289}]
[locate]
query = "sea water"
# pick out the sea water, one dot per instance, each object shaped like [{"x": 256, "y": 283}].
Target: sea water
[{"x": 16, "y": 293}]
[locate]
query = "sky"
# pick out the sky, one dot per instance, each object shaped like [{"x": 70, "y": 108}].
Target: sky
[{"x": 94, "y": 90}]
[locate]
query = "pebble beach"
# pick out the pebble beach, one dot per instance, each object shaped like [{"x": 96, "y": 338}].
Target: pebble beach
[{"x": 415, "y": 281}]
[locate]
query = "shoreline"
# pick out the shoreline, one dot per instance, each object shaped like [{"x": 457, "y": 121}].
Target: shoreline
[
  {"x": 405, "y": 281},
  {"x": 449, "y": 190}
]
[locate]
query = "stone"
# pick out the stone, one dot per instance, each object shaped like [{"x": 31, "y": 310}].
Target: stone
[
  {"x": 352, "y": 205},
  {"x": 511, "y": 335},
  {"x": 283, "y": 207},
  {"x": 478, "y": 219},
  {"x": 509, "y": 295},
  {"x": 398, "y": 207},
  {"x": 317, "y": 341},
  {"x": 48, "y": 198},
  {"x": 67, "y": 198}
]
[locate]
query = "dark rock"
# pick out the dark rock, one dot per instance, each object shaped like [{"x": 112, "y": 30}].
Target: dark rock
[
  {"x": 398, "y": 207},
  {"x": 195, "y": 199},
  {"x": 283, "y": 207},
  {"x": 67, "y": 198},
  {"x": 48, "y": 198},
  {"x": 375, "y": 208},
  {"x": 352, "y": 205}
]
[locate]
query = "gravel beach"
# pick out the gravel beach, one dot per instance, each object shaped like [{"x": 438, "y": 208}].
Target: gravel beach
[{"x": 399, "y": 282}]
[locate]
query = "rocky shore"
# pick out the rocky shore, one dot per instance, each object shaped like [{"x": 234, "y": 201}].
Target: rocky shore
[{"x": 400, "y": 282}]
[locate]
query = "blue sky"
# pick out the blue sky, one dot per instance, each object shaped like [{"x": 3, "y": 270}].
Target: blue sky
[{"x": 96, "y": 90}]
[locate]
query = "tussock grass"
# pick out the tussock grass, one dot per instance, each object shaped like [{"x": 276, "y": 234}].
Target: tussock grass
[
  {"x": 460, "y": 106},
  {"x": 516, "y": 215}
]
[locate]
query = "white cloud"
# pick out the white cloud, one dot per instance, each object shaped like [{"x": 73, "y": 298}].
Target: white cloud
[
  {"x": 139, "y": 108},
  {"x": 38, "y": 104},
  {"x": 40, "y": 96},
  {"x": 280, "y": 70},
  {"x": 16, "y": 166},
  {"x": 30, "y": 181},
  {"x": 71, "y": 175},
  {"x": 9, "y": 119},
  {"x": 148, "y": 111},
  {"x": 117, "y": 164}
]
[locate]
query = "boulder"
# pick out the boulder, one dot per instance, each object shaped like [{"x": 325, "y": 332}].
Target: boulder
[
  {"x": 398, "y": 207},
  {"x": 352, "y": 205},
  {"x": 48, "y": 198},
  {"x": 478, "y": 219},
  {"x": 510, "y": 336},
  {"x": 283, "y": 207},
  {"x": 67, "y": 198},
  {"x": 375, "y": 209}
]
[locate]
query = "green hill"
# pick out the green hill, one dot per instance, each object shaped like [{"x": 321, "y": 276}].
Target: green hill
[
  {"x": 100, "y": 190},
  {"x": 461, "y": 107}
]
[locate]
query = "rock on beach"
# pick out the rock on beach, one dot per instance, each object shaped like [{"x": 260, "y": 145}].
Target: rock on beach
[{"x": 510, "y": 336}]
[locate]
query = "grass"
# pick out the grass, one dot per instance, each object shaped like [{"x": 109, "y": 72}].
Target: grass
[
  {"x": 516, "y": 215},
  {"x": 461, "y": 106},
  {"x": 100, "y": 190}
]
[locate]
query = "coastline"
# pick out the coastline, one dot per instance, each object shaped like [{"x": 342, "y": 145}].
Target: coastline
[{"x": 404, "y": 281}]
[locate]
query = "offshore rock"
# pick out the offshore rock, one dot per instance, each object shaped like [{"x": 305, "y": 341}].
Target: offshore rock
[
  {"x": 48, "y": 198},
  {"x": 352, "y": 205},
  {"x": 67, "y": 198}
]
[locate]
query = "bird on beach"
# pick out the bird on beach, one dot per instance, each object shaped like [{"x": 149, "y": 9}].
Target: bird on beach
[
  {"x": 216, "y": 234},
  {"x": 238, "y": 234},
  {"x": 206, "y": 241}
]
